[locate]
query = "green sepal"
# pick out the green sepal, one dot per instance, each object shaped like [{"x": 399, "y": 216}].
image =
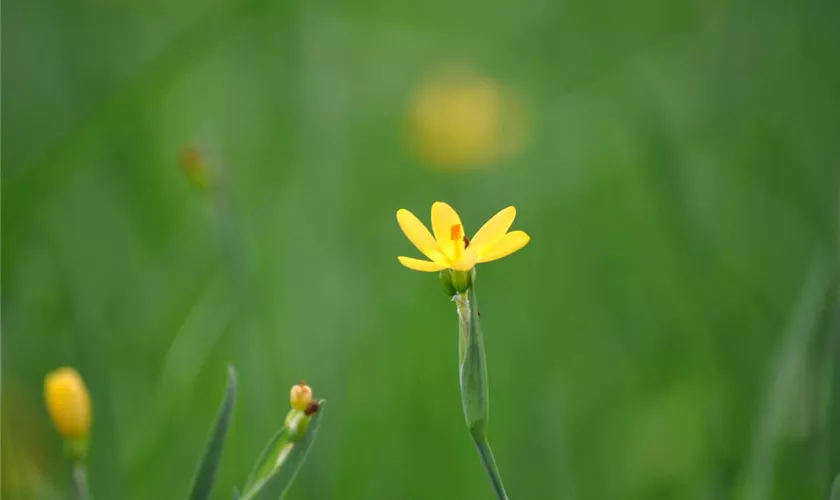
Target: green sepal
[
  {"x": 461, "y": 280},
  {"x": 297, "y": 421},
  {"x": 206, "y": 473},
  {"x": 445, "y": 277},
  {"x": 77, "y": 448}
]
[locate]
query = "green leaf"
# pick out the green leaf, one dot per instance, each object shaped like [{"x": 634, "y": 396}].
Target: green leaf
[
  {"x": 206, "y": 474},
  {"x": 235, "y": 493},
  {"x": 279, "y": 463},
  {"x": 267, "y": 460},
  {"x": 835, "y": 488}
]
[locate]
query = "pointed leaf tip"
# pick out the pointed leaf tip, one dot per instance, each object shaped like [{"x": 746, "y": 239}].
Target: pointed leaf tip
[
  {"x": 206, "y": 474},
  {"x": 233, "y": 379}
]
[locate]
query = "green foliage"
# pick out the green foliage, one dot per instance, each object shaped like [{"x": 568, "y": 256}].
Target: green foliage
[
  {"x": 209, "y": 464},
  {"x": 279, "y": 463},
  {"x": 679, "y": 175}
]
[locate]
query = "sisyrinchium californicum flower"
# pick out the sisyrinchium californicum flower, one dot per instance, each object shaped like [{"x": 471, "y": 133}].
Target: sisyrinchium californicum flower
[
  {"x": 450, "y": 251},
  {"x": 455, "y": 256}
]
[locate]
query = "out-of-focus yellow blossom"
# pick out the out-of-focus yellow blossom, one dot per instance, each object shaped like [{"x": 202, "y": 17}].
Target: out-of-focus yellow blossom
[
  {"x": 300, "y": 396},
  {"x": 465, "y": 120},
  {"x": 68, "y": 402},
  {"x": 449, "y": 248}
]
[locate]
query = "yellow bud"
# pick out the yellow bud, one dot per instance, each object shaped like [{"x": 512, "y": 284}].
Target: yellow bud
[
  {"x": 300, "y": 396},
  {"x": 68, "y": 402},
  {"x": 195, "y": 168}
]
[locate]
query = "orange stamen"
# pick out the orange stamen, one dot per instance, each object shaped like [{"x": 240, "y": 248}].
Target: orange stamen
[{"x": 457, "y": 238}]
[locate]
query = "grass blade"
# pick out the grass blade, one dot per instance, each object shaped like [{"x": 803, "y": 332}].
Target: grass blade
[{"x": 206, "y": 474}]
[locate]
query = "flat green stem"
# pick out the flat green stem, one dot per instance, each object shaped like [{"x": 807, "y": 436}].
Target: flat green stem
[
  {"x": 475, "y": 395},
  {"x": 489, "y": 464}
]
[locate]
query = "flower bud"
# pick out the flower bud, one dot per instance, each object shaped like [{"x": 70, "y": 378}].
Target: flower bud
[
  {"x": 455, "y": 282},
  {"x": 461, "y": 280},
  {"x": 300, "y": 396},
  {"x": 68, "y": 403},
  {"x": 195, "y": 169},
  {"x": 446, "y": 280}
]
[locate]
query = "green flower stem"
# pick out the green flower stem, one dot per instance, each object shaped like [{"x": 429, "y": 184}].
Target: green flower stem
[
  {"x": 80, "y": 482},
  {"x": 475, "y": 396},
  {"x": 490, "y": 466}
]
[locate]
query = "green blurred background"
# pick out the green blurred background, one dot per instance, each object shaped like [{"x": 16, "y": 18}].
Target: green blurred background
[{"x": 671, "y": 331}]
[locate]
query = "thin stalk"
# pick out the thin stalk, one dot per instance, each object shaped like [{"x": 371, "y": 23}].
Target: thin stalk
[
  {"x": 475, "y": 394},
  {"x": 80, "y": 482},
  {"x": 489, "y": 464},
  {"x": 782, "y": 386}
]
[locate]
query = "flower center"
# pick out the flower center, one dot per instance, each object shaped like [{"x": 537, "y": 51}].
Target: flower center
[{"x": 457, "y": 238}]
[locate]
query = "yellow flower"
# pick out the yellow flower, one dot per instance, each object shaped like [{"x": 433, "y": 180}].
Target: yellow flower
[
  {"x": 462, "y": 119},
  {"x": 68, "y": 402},
  {"x": 450, "y": 248}
]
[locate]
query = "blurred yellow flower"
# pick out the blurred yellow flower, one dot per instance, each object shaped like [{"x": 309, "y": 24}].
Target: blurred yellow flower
[
  {"x": 68, "y": 402},
  {"x": 449, "y": 248},
  {"x": 463, "y": 119}
]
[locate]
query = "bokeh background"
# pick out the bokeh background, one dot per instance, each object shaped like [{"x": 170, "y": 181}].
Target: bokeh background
[{"x": 671, "y": 331}]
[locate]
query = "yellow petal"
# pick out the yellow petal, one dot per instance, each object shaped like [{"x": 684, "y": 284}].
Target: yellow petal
[
  {"x": 417, "y": 233},
  {"x": 493, "y": 230},
  {"x": 444, "y": 218},
  {"x": 420, "y": 265},
  {"x": 466, "y": 262},
  {"x": 508, "y": 244}
]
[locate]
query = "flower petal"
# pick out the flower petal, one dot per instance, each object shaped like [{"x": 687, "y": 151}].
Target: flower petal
[
  {"x": 444, "y": 218},
  {"x": 466, "y": 262},
  {"x": 493, "y": 230},
  {"x": 417, "y": 233},
  {"x": 508, "y": 244},
  {"x": 420, "y": 265}
]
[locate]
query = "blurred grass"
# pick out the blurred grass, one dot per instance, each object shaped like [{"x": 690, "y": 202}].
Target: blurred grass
[{"x": 681, "y": 175}]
